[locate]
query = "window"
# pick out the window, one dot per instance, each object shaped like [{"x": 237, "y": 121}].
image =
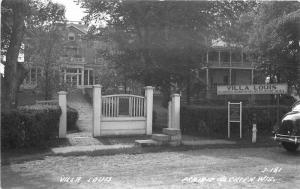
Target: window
[
  {"x": 213, "y": 56},
  {"x": 72, "y": 70},
  {"x": 99, "y": 59},
  {"x": 33, "y": 75},
  {"x": 86, "y": 77},
  {"x": 71, "y": 36},
  {"x": 225, "y": 56},
  {"x": 91, "y": 77},
  {"x": 90, "y": 44},
  {"x": 225, "y": 79},
  {"x": 236, "y": 57}
]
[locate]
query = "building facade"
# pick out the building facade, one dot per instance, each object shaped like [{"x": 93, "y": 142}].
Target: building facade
[
  {"x": 79, "y": 62},
  {"x": 226, "y": 65}
]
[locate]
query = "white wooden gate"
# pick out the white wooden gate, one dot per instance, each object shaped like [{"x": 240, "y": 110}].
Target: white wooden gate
[{"x": 122, "y": 114}]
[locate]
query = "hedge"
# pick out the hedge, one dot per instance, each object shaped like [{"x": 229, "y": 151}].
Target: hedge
[
  {"x": 212, "y": 121},
  {"x": 29, "y": 126},
  {"x": 34, "y": 125}
]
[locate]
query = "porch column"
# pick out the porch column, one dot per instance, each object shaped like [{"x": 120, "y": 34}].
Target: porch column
[
  {"x": 230, "y": 57},
  {"x": 219, "y": 58},
  {"x": 176, "y": 111},
  {"x": 230, "y": 76},
  {"x": 88, "y": 71},
  {"x": 207, "y": 81},
  {"x": 82, "y": 76},
  {"x": 207, "y": 57},
  {"x": 93, "y": 77},
  {"x": 62, "y": 101},
  {"x": 149, "y": 106},
  {"x": 252, "y": 76},
  {"x": 170, "y": 114},
  {"x": 36, "y": 75},
  {"x": 30, "y": 75},
  {"x": 97, "y": 110},
  {"x": 242, "y": 56},
  {"x": 65, "y": 75},
  {"x": 77, "y": 77}
]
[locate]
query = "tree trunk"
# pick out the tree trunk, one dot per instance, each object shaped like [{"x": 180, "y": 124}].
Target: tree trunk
[
  {"x": 47, "y": 72},
  {"x": 125, "y": 86},
  {"x": 47, "y": 88},
  {"x": 11, "y": 66},
  {"x": 188, "y": 90}
]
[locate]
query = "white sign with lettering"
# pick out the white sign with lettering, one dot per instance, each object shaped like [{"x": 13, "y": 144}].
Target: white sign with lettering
[{"x": 252, "y": 89}]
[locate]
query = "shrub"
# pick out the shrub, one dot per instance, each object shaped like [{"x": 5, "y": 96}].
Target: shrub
[
  {"x": 29, "y": 126},
  {"x": 72, "y": 117},
  {"x": 212, "y": 121}
]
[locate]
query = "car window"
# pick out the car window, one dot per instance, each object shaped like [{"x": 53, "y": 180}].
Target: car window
[{"x": 296, "y": 108}]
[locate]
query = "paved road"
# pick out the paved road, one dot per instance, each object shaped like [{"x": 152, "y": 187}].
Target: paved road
[{"x": 207, "y": 168}]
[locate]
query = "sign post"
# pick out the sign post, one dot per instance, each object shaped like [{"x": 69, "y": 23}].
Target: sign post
[{"x": 235, "y": 115}]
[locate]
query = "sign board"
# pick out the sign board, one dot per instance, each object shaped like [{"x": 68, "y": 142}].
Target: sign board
[
  {"x": 235, "y": 115},
  {"x": 234, "y": 112},
  {"x": 252, "y": 89}
]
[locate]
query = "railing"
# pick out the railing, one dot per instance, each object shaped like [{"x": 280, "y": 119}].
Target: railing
[
  {"x": 72, "y": 59},
  {"x": 47, "y": 102},
  {"x": 232, "y": 64},
  {"x": 123, "y": 105},
  {"x": 64, "y": 58}
]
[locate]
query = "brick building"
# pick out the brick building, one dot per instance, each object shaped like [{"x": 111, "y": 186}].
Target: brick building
[{"x": 79, "y": 63}]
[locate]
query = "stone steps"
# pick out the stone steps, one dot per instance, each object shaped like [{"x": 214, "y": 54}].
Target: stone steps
[
  {"x": 146, "y": 143},
  {"x": 77, "y": 101},
  {"x": 160, "y": 137},
  {"x": 170, "y": 137}
]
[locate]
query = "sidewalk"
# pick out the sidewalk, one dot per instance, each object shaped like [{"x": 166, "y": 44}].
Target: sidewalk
[{"x": 126, "y": 145}]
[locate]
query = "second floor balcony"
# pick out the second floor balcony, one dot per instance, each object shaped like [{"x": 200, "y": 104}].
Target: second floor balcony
[
  {"x": 236, "y": 64},
  {"x": 228, "y": 58},
  {"x": 67, "y": 59}
]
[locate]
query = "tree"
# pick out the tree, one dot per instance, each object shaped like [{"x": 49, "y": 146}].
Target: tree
[
  {"x": 162, "y": 42},
  {"x": 44, "y": 42},
  {"x": 289, "y": 29},
  {"x": 13, "y": 27},
  {"x": 273, "y": 44},
  {"x": 16, "y": 17}
]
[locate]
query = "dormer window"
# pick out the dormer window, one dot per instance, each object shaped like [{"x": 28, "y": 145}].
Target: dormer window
[{"x": 71, "y": 36}]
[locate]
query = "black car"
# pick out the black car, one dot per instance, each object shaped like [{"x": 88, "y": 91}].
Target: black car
[{"x": 289, "y": 131}]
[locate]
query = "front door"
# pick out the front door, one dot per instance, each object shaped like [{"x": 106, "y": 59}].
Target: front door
[{"x": 72, "y": 79}]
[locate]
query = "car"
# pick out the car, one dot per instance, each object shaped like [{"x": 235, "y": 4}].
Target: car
[{"x": 288, "y": 133}]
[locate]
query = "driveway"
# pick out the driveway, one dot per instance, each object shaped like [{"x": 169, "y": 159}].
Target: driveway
[{"x": 206, "y": 168}]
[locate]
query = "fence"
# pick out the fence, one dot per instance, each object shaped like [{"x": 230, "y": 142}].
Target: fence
[
  {"x": 111, "y": 105},
  {"x": 122, "y": 114}
]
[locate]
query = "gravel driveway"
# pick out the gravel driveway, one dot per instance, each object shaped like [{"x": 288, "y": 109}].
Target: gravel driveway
[{"x": 206, "y": 168}]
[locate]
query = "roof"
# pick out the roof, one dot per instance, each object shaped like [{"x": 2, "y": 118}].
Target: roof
[
  {"x": 219, "y": 43},
  {"x": 290, "y": 25},
  {"x": 82, "y": 28}
]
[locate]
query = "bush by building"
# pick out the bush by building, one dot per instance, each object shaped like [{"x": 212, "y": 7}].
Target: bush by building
[
  {"x": 212, "y": 121},
  {"x": 29, "y": 126},
  {"x": 33, "y": 126}
]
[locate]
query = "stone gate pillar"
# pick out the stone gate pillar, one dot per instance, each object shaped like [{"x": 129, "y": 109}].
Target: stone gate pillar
[
  {"x": 175, "y": 111},
  {"x": 97, "y": 107},
  {"x": 149, "y": 108},
  {"x": 170, "y": 114},
  {"x": 62, "y": 102}
]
